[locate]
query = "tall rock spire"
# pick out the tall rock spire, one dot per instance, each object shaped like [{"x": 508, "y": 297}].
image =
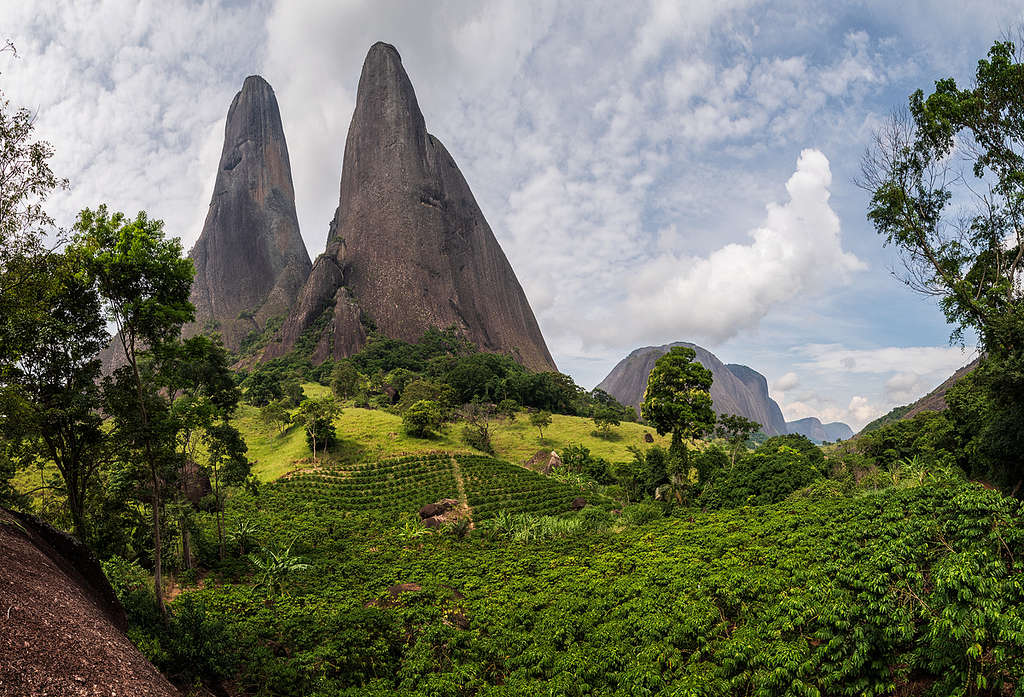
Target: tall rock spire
[
  {"x": 250, "y": 260},
  {"x": 409, "y": 248}
]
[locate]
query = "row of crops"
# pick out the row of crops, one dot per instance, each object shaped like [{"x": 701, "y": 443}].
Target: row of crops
[
  {"x": 493, "y": 486},
  {"x": 401, "y": 484}
]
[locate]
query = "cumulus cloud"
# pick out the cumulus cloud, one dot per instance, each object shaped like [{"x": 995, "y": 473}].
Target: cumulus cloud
[
  {"x": 882, "y": 378},
  {"x": 785, "y": 382},
  {"x": 796, "y": 250}
]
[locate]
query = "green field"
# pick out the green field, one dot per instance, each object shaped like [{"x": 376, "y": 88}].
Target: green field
[{"x": 371, "y": 434}]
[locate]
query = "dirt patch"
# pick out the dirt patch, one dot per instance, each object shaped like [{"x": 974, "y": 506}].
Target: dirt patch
[{"x": 56, "y": 638}]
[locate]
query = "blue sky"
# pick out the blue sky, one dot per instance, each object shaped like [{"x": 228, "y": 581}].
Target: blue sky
[{"x": 655, "y": 171}]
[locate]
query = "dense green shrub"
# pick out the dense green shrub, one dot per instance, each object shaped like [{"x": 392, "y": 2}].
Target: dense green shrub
[
  {"x": 768, "y": 475},
  {"x": 422, "y": 418}
]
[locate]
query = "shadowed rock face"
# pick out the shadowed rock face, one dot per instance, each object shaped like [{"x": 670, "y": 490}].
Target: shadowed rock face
[
  {"x": 730, "y": 393},
  {"x": 409, "y": 248},
  {"x": 757, "y": 384},
  {"x": 250, "y": 259}
]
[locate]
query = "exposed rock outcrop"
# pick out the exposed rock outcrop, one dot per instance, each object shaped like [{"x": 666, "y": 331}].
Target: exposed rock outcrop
[
  {"x": 409, "y": 248},
  {"x": 250, "y": 260},
  {"x": 812, "y": 429},
  {"x": 730, "y": 393},
  {"x": 61, "y": 628}
]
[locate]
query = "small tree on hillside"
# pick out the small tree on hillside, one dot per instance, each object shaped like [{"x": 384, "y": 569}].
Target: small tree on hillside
[
  {"x": 678, "y": 399},
  {"x": 318, "y": 415},
  {"x": 540, "y": 420},
  {"x": 345, "y": 379},
  {"x": 735, "y": 429},
  {"x": 604, "y": 418},
  {"x": 508, "y": 408},
  {"x": 422, "y": 418},
  {"x": 276, "y": 414}
]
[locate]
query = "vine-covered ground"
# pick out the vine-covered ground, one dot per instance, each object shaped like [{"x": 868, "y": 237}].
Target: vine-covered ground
[{"x": 907, "y": 591}]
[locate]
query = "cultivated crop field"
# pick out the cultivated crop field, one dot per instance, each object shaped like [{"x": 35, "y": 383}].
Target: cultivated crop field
[
  {"x": 493, "y": 486},
  {"x": 907, "y": 592}
]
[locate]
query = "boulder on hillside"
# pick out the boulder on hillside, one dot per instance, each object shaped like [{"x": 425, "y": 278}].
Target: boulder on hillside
[
  {"x": 578, "y": 503},
  {"x": 553, "y": 462}
]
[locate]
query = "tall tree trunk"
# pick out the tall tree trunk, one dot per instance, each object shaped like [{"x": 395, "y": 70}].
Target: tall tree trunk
[
  {"x": 186, "y": 545},
  {"x": 220, "y": 513},
  {"x": 158, "y": 575}
]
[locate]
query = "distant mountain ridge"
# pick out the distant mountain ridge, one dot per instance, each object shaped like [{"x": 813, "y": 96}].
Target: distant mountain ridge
[
  {"x": 933, "y": 401},
  {"x": 736, "y": 389},
  {"x": 812, "y": 428}
]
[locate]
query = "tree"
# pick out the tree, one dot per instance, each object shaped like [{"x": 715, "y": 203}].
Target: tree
[
  {"x": 957, "y": 219},
  {"x": 55, "y": 380},
  {"x": 678, "y": 399},
  {"x": 422, "y": 418},
  {"x": 262, "y": 387},
  {"x": 26, "y": 181},
  {"x": 345, "y": 379},
  {"x": 604, "y": 418},
  {"x": 508, "y": 408},
  {"x": 735, "y": 429},
  {"x": 204, "y": 395},
  {"x": 540, "y": 420},
  {"x": 946, "y": 179},
  {"x": 276, "y": 414},
  {"x": 477, "y": 431},
  {"x": 318, "y": 415},
  {"x": 144, "y": 283}
]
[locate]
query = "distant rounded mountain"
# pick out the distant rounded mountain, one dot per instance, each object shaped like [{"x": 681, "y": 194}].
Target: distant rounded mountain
[{"x": 736, "y": 389}]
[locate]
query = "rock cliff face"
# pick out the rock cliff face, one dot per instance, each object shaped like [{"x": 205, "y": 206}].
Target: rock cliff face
[
  {"x": 409, "y": 248},
  {"x": 250, "y": 259},
  {"x": 812, "y": 428},
  {"x": 735, "y": 389},
  {"x": 758, "y": 384},
  {"x": 63, "y": 629}
]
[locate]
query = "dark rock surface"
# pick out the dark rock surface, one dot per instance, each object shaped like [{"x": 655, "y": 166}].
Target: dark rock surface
[
  {"x": 730, "y": 394},
  {"x": 812, "y": 428},
  {"x": 250, "y": 260},
  {"x": 409, "y": 248},
  {"x": 61, "y": 628}
]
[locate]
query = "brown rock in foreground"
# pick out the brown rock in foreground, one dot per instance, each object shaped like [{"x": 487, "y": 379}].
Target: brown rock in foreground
[
  {"x": 59, "y": 625},
  {"x": 250, "y": 259},
  {"x": 409, "y": 249}
]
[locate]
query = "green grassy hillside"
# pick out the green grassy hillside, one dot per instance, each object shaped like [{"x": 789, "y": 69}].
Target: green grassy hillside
[{"x": 370, "y": 434}]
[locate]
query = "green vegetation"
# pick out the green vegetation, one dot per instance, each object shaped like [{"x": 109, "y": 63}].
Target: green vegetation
[{"x": 347, "y": 542}]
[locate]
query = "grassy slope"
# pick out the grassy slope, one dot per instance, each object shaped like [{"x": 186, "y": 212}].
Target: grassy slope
[{"x": 369, "y": 434}]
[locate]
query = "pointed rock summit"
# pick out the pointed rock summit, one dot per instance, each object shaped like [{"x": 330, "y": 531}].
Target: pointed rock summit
[
  {"x": 250, "y": 260},
  {"x": 409, "y": 248}
]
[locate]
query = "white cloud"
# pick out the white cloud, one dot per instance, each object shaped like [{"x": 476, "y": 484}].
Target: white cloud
[
  {"x": 797, "y": 250},
  {"x": 787, "y": 382},
  {"x": 912, "y": 360}
]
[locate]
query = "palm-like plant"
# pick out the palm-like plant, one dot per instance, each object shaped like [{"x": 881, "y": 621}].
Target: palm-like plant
[{"x": 273, "y": 567}]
